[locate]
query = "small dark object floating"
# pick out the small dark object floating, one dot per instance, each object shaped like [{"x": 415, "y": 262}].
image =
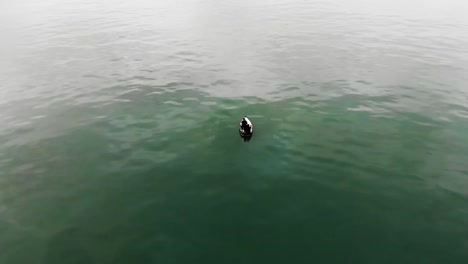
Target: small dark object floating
[{"x": 246, "y": 128}]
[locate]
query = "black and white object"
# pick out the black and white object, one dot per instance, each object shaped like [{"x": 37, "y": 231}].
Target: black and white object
[{"x": 246, "y": 131}]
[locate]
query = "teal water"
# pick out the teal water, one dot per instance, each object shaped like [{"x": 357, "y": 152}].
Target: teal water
[{"x": 119, "y": 141}]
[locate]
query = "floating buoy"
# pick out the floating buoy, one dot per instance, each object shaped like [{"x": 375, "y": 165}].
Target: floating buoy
[{"x": 246, "y": 128}]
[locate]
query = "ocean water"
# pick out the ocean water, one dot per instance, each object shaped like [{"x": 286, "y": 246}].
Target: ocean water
[{"x": 119, "y": 140}]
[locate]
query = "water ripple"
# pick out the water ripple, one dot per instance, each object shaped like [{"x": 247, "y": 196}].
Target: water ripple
[{"x": 118, "y": 113}]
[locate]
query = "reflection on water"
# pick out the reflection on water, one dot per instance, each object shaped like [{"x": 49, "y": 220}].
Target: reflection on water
[{"x": 119, "y": 139}]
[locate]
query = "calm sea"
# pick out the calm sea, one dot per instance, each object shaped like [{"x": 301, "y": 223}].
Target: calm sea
[{"x": 119, "y": 140}]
